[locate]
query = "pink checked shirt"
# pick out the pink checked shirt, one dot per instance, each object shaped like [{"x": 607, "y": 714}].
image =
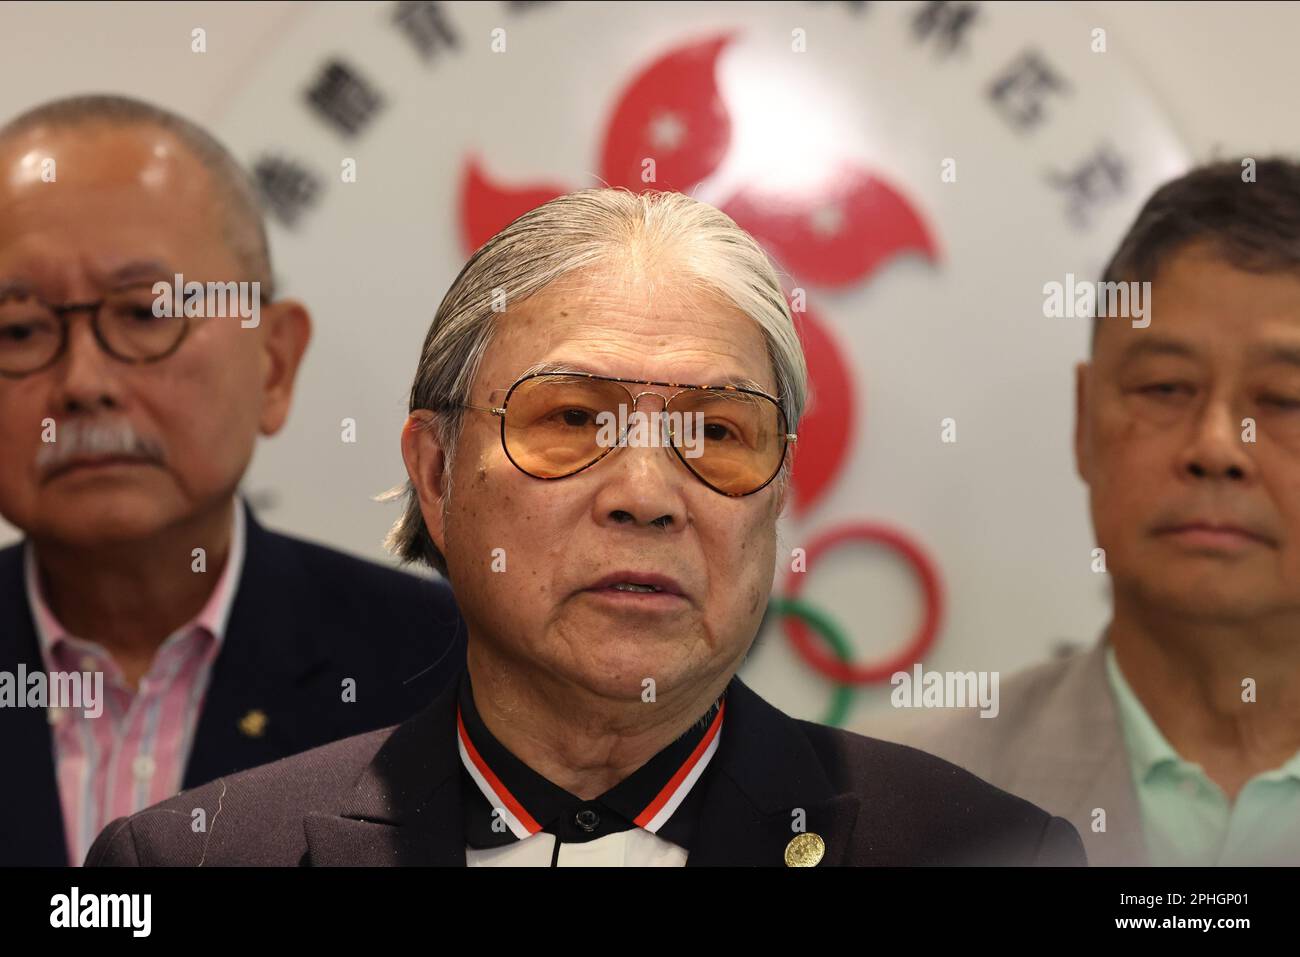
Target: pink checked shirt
[{"x": 134, "y": 754}]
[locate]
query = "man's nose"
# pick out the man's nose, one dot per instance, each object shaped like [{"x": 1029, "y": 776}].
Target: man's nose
[
  {"x": 86, "y": 377},
  {"x": 642, "y": 486},
  {"x": 1215, "y": 449}
]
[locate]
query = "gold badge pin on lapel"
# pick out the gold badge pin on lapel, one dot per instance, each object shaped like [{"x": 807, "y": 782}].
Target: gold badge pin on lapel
[
  {"x": 805, "y": 850},
  {"x": 253, "y": 724}
]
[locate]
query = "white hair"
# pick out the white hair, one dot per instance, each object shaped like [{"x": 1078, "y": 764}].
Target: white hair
[{"x": 591, "y": 227}]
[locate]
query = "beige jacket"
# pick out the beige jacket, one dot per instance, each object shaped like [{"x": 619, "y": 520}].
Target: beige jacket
[{"x": 1056, "y": 741}]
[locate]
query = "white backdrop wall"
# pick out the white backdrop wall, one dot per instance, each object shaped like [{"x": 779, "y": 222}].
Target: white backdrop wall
[{"x": 957, "y": 334}]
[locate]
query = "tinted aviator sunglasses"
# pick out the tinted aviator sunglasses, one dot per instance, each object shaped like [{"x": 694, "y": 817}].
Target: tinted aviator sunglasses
[{"x": 557, "y": 424}]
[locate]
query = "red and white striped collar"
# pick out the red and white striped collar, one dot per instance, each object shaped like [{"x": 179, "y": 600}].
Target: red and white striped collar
[{"x": 525, "y": 801}]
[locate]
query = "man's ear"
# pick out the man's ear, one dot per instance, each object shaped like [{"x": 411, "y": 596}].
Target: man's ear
[
  {"x": 286, "y": 332},
  {"x": 1082, "y": 440},
  {"x": 426, "y": 466}
]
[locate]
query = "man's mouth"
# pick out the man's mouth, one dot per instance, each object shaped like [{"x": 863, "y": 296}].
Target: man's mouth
[
  {"x": 95, "y": 462},
  {"x": 639, "y": 586},
  {"x": 634, "y": 597},
  {"x": 1214, "y": 536}
]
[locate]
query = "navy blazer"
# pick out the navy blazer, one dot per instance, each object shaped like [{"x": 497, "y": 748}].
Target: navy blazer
[{"x": 304, "y": 619}]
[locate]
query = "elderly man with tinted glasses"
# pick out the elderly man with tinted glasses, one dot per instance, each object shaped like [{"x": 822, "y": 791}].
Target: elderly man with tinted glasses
[
  {"x": 599, "y": 448},
  {"x": 183, "y": 640}
]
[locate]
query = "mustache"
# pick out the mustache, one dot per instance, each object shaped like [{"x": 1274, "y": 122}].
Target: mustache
[{"x": 80, "y": 439}]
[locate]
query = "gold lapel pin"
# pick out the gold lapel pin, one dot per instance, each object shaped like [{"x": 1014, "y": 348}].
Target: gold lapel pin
[
  {"x": 253, "y": 724},
  {"x": 805, "y": 850}
]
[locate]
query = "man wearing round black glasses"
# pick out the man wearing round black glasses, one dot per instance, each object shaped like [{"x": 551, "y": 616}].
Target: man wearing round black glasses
[
  {"x": 141, "y": 355},
  {"x": 599, "y": 446}
]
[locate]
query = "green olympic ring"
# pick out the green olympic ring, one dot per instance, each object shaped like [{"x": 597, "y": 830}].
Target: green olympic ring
[{"x": 834, "y": 635}]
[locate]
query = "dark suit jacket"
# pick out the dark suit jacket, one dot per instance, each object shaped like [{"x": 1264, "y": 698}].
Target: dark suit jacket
[
  {"x": 304, "y": 618},
  {"x": 393, "y": 797}
]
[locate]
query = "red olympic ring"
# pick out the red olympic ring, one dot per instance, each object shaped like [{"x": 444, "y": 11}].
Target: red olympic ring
[{"x": 846, "y": 672}]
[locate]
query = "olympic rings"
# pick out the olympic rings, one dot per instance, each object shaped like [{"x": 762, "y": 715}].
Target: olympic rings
[
  {"x": 799, "y": 608},
  {"x": 845, "y": 672}
]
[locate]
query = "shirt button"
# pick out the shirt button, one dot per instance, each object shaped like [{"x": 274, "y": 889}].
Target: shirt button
[
  {"x": 587, "y": 819},
  {"x": 143, "y": 767},
  {"x": 89, "y": 663},
  {"x": 1189, "y": 787}
]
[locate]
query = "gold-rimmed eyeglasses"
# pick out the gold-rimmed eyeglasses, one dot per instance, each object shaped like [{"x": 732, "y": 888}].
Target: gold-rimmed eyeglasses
[{"x": 556, "y": 424}]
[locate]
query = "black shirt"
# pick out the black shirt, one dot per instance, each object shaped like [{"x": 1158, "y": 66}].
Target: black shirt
[{"x": 549, "y": 808}]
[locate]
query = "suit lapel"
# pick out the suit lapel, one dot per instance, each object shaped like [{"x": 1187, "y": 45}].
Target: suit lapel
[
  {"x": 266, "y": 658},
  {"x": 405, "y": 808},
  {"x": 1074, "y": 761},
  {"x": 266, "y": 655},
  {"x": 766, "y": 782},
  {"x": 26, "y": 744}
]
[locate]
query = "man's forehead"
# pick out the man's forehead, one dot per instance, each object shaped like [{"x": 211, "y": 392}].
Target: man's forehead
[
  {"x": 30, "y": 266},
  {"x": 121, "y": 201},
  {"x": 579, "y": 366},
  {"x": 662, "y": 287},
  {"x": 1277, "y": 342},
  {"x": 1227, "y": 312},
  {"x": 103, "y": 177},
  {"x": 727, "y": 350}
]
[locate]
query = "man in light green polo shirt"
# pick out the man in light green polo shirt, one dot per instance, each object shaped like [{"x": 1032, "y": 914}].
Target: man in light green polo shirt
[
  {"x": 1188, "y": 436},
  {"x": 1187, "y": 819},
  {"x": 1175, "y": 739}
]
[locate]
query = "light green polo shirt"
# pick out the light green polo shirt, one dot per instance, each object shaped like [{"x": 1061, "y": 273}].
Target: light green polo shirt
[{"x": 1186, "y": 818}]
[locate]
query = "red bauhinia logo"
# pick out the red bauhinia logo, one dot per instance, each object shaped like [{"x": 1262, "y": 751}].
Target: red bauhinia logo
[{"x": 833, "y": 236}]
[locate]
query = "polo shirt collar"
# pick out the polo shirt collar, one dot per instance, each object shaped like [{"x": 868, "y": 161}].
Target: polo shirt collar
[
  {"x": 1149, "y": 751},
  {"x": 661, "y": 796}
]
